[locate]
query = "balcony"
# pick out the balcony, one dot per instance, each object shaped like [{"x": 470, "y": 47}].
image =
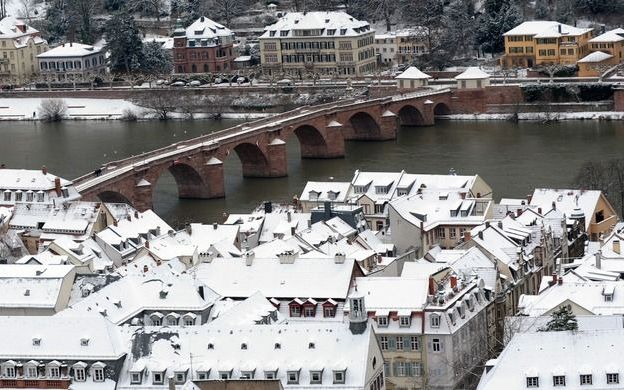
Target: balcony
[{"x": 19, "y": 383}]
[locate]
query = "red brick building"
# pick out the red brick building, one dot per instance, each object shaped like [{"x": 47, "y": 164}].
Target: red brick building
[{"x": 204, "y": 46}]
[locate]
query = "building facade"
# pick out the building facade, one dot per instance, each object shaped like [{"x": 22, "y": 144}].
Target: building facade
[
  {"x": 203, "y": 47},
  {"x": 538, "y": 43},
  {"x": 326, "y": 43},
  {"x": 19, "y": 44},
  {"x": 72, "y": 61},
  {"x": 607, "y": 50}
]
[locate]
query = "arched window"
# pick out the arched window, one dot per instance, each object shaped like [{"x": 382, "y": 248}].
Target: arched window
[
  {"x": 193, "y": 68},
  {"x": 180, "y": 69},
  {"x": 206, "y": 68}
]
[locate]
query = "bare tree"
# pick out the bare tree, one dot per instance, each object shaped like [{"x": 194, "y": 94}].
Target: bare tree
[
  {"x": 160, "y": 102},
  {"x": 157, "y": 6},
  {"x": 26, "y": 9},
  {"x": 52, "y": 110}
]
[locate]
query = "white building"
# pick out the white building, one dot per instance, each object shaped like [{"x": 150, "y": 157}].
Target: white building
[
  {"x": 471, "y": 78},
  {"x": 553, "y": 360},
  {"x": 31, "y": 290},
  {"x": 412, "y": 78},
  {"x": 72, "y": 61},
  {"x": 34, "y": 187}
]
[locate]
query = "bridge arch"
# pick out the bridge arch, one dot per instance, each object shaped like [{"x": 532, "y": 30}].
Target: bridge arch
[
  {"x": 411, "y": 116},
  {"x": 441, "y": 108},
  {"x": 189, "y": 181},
  {"x": 312, "y": 142},
  {"x": 364, "y": 126},
  {"x": 111, "y": 196},
  {"x": 253, "y": 159}
]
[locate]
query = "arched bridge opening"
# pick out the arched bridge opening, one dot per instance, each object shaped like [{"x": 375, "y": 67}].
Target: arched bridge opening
[
  {"x": 411, "y": 116},
  {"x": 364, "y": 126},
  {"x": 114, "y": 197},
  {"x": 441, "y": 109},
  {"x": 311, "y": 141}
]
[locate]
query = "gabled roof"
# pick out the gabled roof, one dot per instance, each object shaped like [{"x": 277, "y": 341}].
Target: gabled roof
[
  {"x": 546, "y": 29},
  {"x": 597, "y": 56},
  {"x": 204, "y": 28},
  {"x": 72, "y": 49},
  {"x": 616, "y": 35},
  {"x": 338, "y": 21},
  {"x": 472, "y": 73}
]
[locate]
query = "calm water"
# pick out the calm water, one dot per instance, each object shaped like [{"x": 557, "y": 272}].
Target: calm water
[{"x": 513, "y": 158}]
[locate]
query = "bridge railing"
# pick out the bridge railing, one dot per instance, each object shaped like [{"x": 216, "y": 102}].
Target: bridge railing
[{"x": 214, "y": 139}]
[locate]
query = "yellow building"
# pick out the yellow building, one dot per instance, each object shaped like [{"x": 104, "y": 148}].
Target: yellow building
[
  {"x": 326, "y": 43},
  {"x": 544, "y": 43},
  {"x": 19, "y": 46},
  {"x": 607, "y": 50}
]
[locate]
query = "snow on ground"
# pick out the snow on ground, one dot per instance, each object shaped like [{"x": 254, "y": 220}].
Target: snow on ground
[{"x": 28, "y": 108}]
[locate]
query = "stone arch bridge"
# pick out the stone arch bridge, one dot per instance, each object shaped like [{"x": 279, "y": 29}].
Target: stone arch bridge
[{"x": 197, "y": 164}]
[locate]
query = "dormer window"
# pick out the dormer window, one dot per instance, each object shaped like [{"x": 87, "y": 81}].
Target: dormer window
[
  {"x": 135, "y": 378},
  {"x": 247, "y": 374},
  {"x": 158, "y": 378},
  {"x": 292, "y": 377},
  {"x": 272, "y": 33},
  {"x": 404, "y": 321},
  {"x": 331, "y": 195},
  {"x": 84, "y": 342},
  {"x": 210, "y": 346},
  {"x": 339, "y": 377},
  {"x": 586, "y": 379},
  {"x": 435, "y": 321},
  {"x": 36, "y": 341},
  {"x": 225, "y": 374},
  {"x": 559, "y": 380},
  {"x": 313, "y": 195},
  {"x": 244, "y": 346},
  {"x": 180, "y": 377},
  {"x": 316, "y": 377},
  {"x": 270, "y": 374},
  {"x": 532, "y": 381},
  {"x": 382, "y": 321},
  {"x": 311, "y": 345}
]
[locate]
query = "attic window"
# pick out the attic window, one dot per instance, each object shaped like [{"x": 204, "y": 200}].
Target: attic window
[
  {"x": 343, "y": 31},
  {"x": 36, "y": 342},
  {"x": 210, "y": 346},
  {"x": 311, "y": 346},
  {"x": 278, "y": 346},
  {"x": 244, "y": 346},
  {"x": 84, "y": 342}
]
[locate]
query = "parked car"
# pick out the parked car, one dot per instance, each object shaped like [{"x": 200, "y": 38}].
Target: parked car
[
  {"x": 285, "y": 82},
  {"x": 178, "y": 84},
  {"x": 195, "y": 83}
]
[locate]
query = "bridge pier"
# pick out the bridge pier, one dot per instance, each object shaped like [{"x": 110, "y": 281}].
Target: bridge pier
[
  {"x": 333, "y": 145},
  {"x": 388, "y": 126},
  {"x": 270, "y": 162}
]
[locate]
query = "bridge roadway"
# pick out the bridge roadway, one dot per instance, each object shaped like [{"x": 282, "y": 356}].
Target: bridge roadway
[{"x": 197, "y": 164}]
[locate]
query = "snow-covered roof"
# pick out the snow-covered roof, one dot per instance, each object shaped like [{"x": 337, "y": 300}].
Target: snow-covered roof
[
  {"x": 11, "y": 27},
  {"x": 60, "y": 337},
  {"x": 413, "y": 73},
  {"x": 328, "y": 24},
  {"x": 545, "y": 354},
  {"x": 588, "y": 295},
  {"x": 546, "y": 29},
  {"x": 28, "y": 179},
  {"x": 320, "y": 191},
  {"x": 251, "y": 311},
  {"x": 195, "y": 238},
  {"x": 26, "y": 286},
  {"x": 304, "y": 278},
  {"x": 616, "y": 35},
  {"x": 596, "y": 56},
  {"x": 158, "y": 289},
  {"x": 299, "y": 346},
  {"x": 204, "y": 28},
  {"x": 472, "y": 73},
  {"x": 393, "y": 293},
  {"x": 72, "y": 49},
  {"x": 567, "y": 200}
]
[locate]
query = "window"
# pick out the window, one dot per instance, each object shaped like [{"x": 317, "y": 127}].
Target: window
[
  {"x": 278, "y": 346},
  {"x": 532, "y": 381},
  {"x": 416, "y": 369},
  {"x": 31, "y": 372},
  {"x": 79, "y": 374},
  {"x": 309, "y": 311},
  {"x": 383, "y": 340},
  {"x": 135, "y": 378},
  {"x": 435, "y": 321},
  {"x": 9, "y": 372},
  {"x": 613, "y": 379},
  {"x": 436, "y": 345},
  {"x": 379, "y": 209},
  {"x": 339, "y": 377},
  {"x": 98, "y": 374},
  {"x": 441, "y": 233},
  {"x": 54, "y": 372},
  {"x": 559, "y": 380},
  {"x": 452, "y": 233},
  {"x": 156, "y": 321},
  {"x": 382, "y": 321},
  {"x": 180, "y": 377},
  {"x": 586, "y": 379},
  {"x": 210, "y": 346},
  {"x": 401, "y": 369},
  {"x": 329, "y": 311},
  {"x": 244, "y": 346},
  {"x": 404, "y": 321},
  {"x": 84, "y": 342},
  {"x": 225, "y": 374},
  {"x": 18, "y": 196},
  {"x": 293, "y": 377},
  {"x": 414, "y": 343},
  {"x": 399, "y": 343},
  {"x": 7, "y": 196},
  {"x": 203, "y": 375},
  {"x": 295, "y": 311},
  {"x": 158, "y": 378},
  {"x": 247, "y": 375},
  {"x": 189, "y": 321},
  {"x": 269, "y": 375},
  {"x": 316, "y": 377}
]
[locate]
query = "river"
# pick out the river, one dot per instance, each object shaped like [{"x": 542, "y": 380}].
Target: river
[{"x": 512, "y": 158}]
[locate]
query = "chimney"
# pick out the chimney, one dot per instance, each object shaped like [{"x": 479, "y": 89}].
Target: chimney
[
  {"x": 215, "y": 226},
  {"x": 114, "y": 222},
  {"x": 339, "y": 258},
  {"x": 559, "y": 28},
  {"x": 560, "y": 280},
  {"x": 554, "y": 278},
  {"x": 453, "y": 282},
  {"x": 136, "y": 214},
  {"x": 467, "y": 236},
  {"x": 145, "y": 268},
  {"x": 188, "y": 229},
  {"x": 487, "y": 224},
  {"x": 327, "y": 208},
  {"x": 57, "y": 186},
  {"x": 500, "y": 224},
  {"x": 554, "y": 205},
  {"x": 71, "y": 44},
  {"x": 518, "y": 212},
  {"x": 480, "y": 234},
  {"x": 616, "y": 246},
  {"x": 268, "y": 207},
  {"x": 147, "y": 244},
  {"x": 249, "y": 258},
  {"x": 539, "y": 210},
  {"x": 288, "y": 216},
  {"x": 201, "y": 19},
  {"x": 598, "y": 259},
  {"x": 293, "y": 230},
  {"x": 432, "y": 286},
  {"x": 44, "y": 170}
]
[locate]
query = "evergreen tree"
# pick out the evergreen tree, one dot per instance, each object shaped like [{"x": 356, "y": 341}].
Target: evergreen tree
[
  {"x": 542, "y": 12},
  {"x": 156, "y": 60},
  {"x": 57, "y": 21},
  {"x": 560, "y": 320},
  {"x": 499, "y": 16},
  {"x": 565, "y": 12},
  {"x": 123, "y": 43}
]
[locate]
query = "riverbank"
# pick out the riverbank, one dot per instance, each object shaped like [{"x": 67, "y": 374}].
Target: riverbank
[
  {"x": 540, "y": 116},
  {"x": 28, "y": 109}
]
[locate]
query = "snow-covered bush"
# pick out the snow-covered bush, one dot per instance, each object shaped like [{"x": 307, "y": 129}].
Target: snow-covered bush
[{"x": 52, "y": 110}]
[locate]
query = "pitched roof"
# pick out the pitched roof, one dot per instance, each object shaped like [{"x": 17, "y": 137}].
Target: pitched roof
[
  {"x": 596, "y": 56},
  {"x": 472, "y": 73},
  {"x": 338, "y": 21},
  {"x": 616, "y": 35},
  {"x": 72, "y": 49},
  {"x": 546, "y": 29},
  {"x": 413, "y": 73}
]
